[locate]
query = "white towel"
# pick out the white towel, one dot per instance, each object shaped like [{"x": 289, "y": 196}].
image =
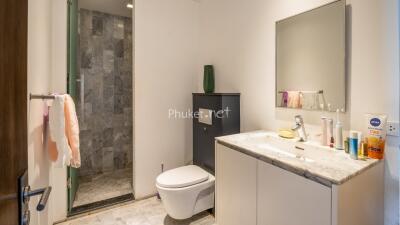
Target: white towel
[{"x": 57, "y": 131}]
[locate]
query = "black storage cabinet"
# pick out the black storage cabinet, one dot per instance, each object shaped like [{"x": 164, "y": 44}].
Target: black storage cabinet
[{"x": 204, "y": 134}]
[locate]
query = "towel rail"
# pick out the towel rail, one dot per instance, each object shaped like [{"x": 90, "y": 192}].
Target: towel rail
[
  {"x": 316, "y": 92},
  {"x": 32, "y": 96}
]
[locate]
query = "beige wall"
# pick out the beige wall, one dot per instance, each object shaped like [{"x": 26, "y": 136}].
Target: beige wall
[
  {"x": 375, "y": 62},
  {"x": 238, "y": 37},
  {"x": 58, "y": 79},
  {"x": 38, "y": 82},
  {"x": 46, "y": 66},
  {"x": 166, "y": 41}
]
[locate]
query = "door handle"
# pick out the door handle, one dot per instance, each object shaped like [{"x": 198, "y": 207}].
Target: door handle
[
  {"x": 24, "y": 194},
  {"x": 44, "y": 192},
  {"x": 82, "y": 93}
]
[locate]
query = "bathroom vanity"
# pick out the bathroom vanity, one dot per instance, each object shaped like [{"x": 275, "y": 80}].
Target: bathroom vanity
[
  {"x": 262, "y": 179},
  {"x": 267, "y": 180}
]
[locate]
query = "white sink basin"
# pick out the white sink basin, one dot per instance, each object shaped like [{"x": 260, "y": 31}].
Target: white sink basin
[
  {"x": 305, "y": 158},
  {"x": 291, "y": 148}
]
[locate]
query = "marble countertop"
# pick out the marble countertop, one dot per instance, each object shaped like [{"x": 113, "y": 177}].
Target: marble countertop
[{"x": 322, "y": 164}]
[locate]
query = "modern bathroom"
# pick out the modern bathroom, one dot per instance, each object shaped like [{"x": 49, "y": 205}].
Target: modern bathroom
[{"x": 200, "y": 112}]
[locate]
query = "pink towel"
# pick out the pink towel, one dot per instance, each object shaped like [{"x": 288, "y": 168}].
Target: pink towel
[
  {"x": 284, "y": 101},
  {"x": 293, "y": 99},
  {"x": 72, "y": 131},
  {"x": 51, "y": 145}
]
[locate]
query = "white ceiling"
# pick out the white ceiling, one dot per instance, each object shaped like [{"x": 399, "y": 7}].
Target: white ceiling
[{"x": 114, "y": 7}]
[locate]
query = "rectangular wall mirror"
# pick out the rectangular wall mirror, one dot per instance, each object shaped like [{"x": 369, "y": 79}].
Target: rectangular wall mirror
[{"x": 310, "y": 59}]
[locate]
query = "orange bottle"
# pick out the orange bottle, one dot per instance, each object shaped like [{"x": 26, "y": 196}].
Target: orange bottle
[
  {"x": 376, "y": 148},
  {"x": 376, "y": 135}
]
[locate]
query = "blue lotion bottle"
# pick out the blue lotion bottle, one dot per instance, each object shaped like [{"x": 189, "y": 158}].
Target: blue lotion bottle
[{"x": 353, "y": 145}]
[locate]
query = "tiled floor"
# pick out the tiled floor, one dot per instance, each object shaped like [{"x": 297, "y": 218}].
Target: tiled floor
[
  {"x": 103, "y": 186},
  {"x": 145, "y": 212}
]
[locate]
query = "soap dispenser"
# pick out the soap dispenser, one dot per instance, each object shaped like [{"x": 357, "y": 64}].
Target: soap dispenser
[{"x": 339, "y": 132}]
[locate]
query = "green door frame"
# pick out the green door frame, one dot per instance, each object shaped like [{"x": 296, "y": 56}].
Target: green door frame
[{"x": 72, "y": 173}]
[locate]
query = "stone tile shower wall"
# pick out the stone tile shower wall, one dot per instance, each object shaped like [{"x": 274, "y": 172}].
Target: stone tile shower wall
[{"x": 105, "y": 62}]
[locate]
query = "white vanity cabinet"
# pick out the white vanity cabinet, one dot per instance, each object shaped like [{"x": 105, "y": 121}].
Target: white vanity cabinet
[
  {"x": 251, "y": 191},
  {"x": 284, "y": 198},
  {"x": 236, "y": 187}
]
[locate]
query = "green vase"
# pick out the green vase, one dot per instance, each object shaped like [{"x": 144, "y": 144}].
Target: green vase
[{"x": 208, "y": 81}]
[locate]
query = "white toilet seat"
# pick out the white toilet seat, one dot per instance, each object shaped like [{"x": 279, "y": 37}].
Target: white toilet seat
[
  {"x": 182, "y": 177},
  {"x": 186, "y": 191}
]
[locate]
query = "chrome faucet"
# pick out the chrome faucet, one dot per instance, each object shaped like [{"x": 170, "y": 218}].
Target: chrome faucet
[{"x": 299, "y": 127}]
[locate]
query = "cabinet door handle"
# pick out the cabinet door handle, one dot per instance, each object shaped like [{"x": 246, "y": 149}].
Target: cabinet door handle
[{"x": 205, "y": 128}]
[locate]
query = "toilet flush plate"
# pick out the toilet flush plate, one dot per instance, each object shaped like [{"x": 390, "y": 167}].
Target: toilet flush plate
[{"x": 205, "y": 116}]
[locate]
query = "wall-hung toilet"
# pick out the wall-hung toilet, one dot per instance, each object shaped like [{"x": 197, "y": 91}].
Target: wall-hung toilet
[{"x": 186, "y": 191}]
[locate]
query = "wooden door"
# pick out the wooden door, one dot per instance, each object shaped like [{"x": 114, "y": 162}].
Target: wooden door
[{"x": 13, "y": 105}]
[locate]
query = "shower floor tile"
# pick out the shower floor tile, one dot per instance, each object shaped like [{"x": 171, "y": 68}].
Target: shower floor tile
[
  {"x": 144, "y": 212},
  {"x": 103, "y": 186}
]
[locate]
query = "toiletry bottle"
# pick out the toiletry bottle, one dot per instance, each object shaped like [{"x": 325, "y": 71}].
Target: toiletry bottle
[
  {"x": 353, "y": 145},
  {"x": 376, "y": 134},
  {"x": 365, "y": 147},
  {"x": 346, "y": 145},
  {"x": 339, "y": 132},
  {"x": 324, "y": 128},
  {"x": 359, "y": 140},
  {"x": 363, "y": 151},
  {"x": 330, "y": 130}
]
